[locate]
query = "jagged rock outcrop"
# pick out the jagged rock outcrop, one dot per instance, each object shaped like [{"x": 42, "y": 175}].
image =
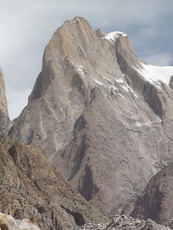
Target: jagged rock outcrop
[
  {"x": 4, "y": 118},
  {"x": 125, "y": 223},
  {"x": 97, "y": 117},
  {"x": 32, "y": 188},
  {"x": 156, "y": 201}
]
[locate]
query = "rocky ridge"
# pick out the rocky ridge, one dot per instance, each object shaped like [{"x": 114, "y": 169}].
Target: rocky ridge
[
  {"x": 32, "y": 188},
  {"x": 94, "y": 114}
]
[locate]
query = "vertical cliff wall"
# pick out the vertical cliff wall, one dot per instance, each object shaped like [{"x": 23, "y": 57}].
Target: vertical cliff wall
[{"x": 4, "y": 118}]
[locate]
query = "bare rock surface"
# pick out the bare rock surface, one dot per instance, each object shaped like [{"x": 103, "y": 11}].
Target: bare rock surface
[
  {"x": 125, "y": 223},
  {"x": 32, "y": 188},
  {"x": 96, "y": 117},
  {"x": 4, "y": 118},
  {"x": 156, "y": 201},
  {"x": 7, "y": 222}
]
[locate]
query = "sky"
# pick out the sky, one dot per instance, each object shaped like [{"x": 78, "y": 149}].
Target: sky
[{"x": 27, "y": 26}]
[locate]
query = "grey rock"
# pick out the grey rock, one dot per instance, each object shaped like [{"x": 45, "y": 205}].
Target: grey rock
[
  {"x": 96, "y": 118},
  {"x": 171, "y": 82},
  {"x": 125, "y": 223},
  {"x": 156, "y": 200},
  {"x": 4, "y": 117},
  {"x": 32, "y": 188},
  {"x": 7, "y": 222}
]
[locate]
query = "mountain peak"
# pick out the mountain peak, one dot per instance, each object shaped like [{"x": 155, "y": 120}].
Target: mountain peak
[
  {"x": 76, "y": 19},
  {"x": 77, "y": 46},
  {"x": 96, "y": 117},
  {"x": 73, "y": 24}
]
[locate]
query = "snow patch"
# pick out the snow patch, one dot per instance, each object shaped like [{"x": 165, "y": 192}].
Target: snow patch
[
  {"x": 119, "y": 80},
  {"x": 112, "y": 37},
  {"x": 80, "y": 69},
  {"x": 112, "y": 87},
  {"x": 97, "y": 82},
  {"x": 140, "y": 124},
  {"x": 125, "y": 87},
  {"x": 114, "y": 84},
  {"x": 154, "y": 74}
]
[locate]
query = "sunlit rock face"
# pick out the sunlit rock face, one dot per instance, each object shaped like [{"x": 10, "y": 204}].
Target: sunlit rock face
[
  {"x": 4, "y": 118},
  {"x": 99, "y": 114}
]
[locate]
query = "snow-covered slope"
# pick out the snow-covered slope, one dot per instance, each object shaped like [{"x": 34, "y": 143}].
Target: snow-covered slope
[
  {"x": 155, "y": 74},
  {"x": 112, "y": 37}
]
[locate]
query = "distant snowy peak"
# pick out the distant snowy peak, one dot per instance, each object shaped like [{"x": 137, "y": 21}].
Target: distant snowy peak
[
  {"x": 156, "y": 74},
  {"x": 112, "y": 37}
]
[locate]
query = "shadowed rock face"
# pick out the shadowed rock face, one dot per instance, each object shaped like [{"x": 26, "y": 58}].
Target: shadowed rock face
[
  {"x": 32, "y": 188},
  {"x": 97, "y": 118},
  {"x": 4, "y": 118},
  {"x": 156, "y": 201}
]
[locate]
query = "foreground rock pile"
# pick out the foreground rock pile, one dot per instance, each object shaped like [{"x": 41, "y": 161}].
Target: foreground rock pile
[
  {"x": 125, "y": 223},
  {"x": 7, "y": 222},
  {"x": 32, "y": 188}
]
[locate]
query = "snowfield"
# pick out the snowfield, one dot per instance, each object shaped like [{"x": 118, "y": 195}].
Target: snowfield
[
  {"x": 155, "y": 74},
  {"x": 114, "y": 35}
]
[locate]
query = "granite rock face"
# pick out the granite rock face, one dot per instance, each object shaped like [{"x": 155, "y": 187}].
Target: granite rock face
[
  {"x": 96, "y": 117},
  {"x": 32, "y": 188},
  {"x": 156, "y": 200},
  {"x": 4, "y": 118}
]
